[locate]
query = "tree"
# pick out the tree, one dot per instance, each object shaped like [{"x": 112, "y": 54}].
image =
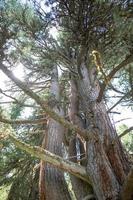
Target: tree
[{"x": 92, "y": 47}]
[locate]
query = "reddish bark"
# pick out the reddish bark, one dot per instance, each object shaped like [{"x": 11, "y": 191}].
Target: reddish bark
[
  {"x": 55, "y": 184},
  {"x": 76, "y": 141},
  {"x": 107, "y": 164},
  {"x": 42, "y": 194},
  {"x": 127, "y": 190}
]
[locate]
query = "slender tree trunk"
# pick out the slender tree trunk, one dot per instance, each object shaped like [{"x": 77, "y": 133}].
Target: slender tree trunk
[
  {"x": 42, "y": 190},
  {"x": 42, "y": 193},
  {"x": 107, "y": 164},
  {"x": 55, "y": 184}
]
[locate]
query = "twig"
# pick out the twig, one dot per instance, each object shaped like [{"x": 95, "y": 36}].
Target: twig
[
  {"x": 119, "y": 101},
  {"x": 125, "y": 132},
  {"x": 122, "y": 120}
]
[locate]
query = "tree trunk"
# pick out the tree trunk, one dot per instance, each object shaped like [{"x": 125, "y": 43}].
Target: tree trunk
[
  {"x": 127, "y": 190},
  {"x": 55, "y": 184},
  {"x": 75, "y": 142},
  {"x": 42, "y": 190},
  {"x": 107, "y": 164}
]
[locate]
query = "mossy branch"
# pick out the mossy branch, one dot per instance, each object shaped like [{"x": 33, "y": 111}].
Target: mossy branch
[{"x": 54, "y": 160}]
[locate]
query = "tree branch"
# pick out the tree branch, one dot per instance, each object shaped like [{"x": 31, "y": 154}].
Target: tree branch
[
  {"x": 83, "y": 133},
  {"x": 22, "y": 121},
  {"x": 122, "y": 120},
  {"x": 8, "y": 95},
  {"x": 115, "y": 89},
  {"x": 119, "y": 101},
  {"x": 52, "y": 159},
  {"x": 126, "y": 14},
  {"x": 126, "y": 131},
  {"x": 125, "y": 62}
]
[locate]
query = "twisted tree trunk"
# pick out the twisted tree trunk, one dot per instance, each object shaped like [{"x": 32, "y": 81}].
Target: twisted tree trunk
[{"x": 107, "y": 164}]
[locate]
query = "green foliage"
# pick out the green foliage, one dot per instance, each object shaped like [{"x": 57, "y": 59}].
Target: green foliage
[
  {"x": 16, "y": 111},
  {"x": 127, "y": 139},
  {"x": 4, "y": 192},
  {"x": 17, "y": 168}
]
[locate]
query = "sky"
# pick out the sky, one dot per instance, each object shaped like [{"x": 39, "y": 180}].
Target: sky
[{"x": 126, "y": 116}]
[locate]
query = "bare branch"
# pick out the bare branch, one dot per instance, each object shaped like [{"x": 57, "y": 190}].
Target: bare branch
[
  {"x": 22, "y": 121},
  {"x": 9, "y": 96},
  {"x": 122, "y": 120},
  {"x": 7, "y": 102},
  {"x": 119, "y": 101},
  {"x": 114, "y": 112},
  {"x": 115, "y": 89},
  {"x": 125, "y": 62},
  {"x": 126, "y": 131},
  {"x": 20, "y": 103}
]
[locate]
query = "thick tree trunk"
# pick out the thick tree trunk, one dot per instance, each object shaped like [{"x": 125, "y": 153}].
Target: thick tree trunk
[
  {"x": 107, "y": 164},
  {"x": 76, "y": 142},
  {"x": 55, "y": 184}
]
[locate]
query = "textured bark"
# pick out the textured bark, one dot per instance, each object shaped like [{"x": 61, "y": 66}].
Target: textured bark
[
  {"x": 127, "y": 190},
  {"x": 42, "y": 189},
  {"x": 42, "y": 193},
  {"x": 85, "y": 189},
  {"x": 56, "y": 187},
  {"x": 75, "y": 142},
  {"x": 107, "y": 164}
]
